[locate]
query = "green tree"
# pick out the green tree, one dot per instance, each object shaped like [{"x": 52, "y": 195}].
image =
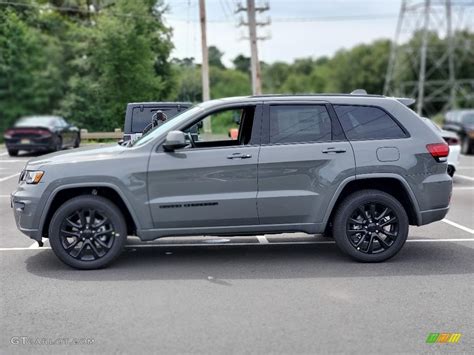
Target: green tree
[
  {"x": 125, "y": 60},
  {"x": 29, "y": 69}
]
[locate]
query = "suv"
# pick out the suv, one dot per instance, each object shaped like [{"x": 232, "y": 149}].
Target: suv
[
  {"x": 360, "y": 168},
  {"x": 462, "y": 122},
  {"x": 139, "y": 115}
]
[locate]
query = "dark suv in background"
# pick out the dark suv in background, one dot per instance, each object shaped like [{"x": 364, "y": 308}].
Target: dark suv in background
[
  {"x": 139, "y": 115},
  {"x": 361, "y": 168},
  {"x": 462, "y": 122}
]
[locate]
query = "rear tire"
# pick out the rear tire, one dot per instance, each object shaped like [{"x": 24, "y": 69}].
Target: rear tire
[
  {"x": 58, "y": 145},
  {"x": 87, "y": 232},
  {"x": 451, "y": 170},
  {"x": 370, "y": 226},
  {"x": 13, "y": 152}
]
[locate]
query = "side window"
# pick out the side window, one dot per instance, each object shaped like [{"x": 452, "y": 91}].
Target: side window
[
  {"x": 364, "y": 122},
  {"x": 60, "y": 122},
  {"x": 142, "y": 117},
  {"x": 299, "y": 123},
  {"x": 233, "y": 126}
]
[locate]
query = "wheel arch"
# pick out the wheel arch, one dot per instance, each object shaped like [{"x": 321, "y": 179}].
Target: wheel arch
[
  {"x": 62, "y": 194},
  {"x": 392, "y": 184}
]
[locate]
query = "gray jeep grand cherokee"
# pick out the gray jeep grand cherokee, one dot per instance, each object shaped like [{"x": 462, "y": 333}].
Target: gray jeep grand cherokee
[{"x": 361, "y": 168}]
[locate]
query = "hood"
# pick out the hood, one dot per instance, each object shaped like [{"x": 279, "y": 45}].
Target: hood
[{"x": 101, "y": 152}]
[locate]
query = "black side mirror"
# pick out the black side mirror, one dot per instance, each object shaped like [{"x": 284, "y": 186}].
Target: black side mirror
[{"x": 174, "y": 140}]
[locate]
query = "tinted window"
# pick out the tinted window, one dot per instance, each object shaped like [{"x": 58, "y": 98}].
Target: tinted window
[
  {"x": 363, "y": 122},
  {"x": 142, "y": 118},
  {"x": 299, "y": 123}
]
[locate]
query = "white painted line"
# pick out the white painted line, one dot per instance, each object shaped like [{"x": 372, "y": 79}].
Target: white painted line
[
  {"x": 35, "y": 245},
  {"x": 262, "y": 239},
  {"x": 13, "y": 161},
  {"x": 134, "y": 246},
  {"x": 459, "y": 226},
  {"x": 2, "y": 154},
  {"x": 8, "y": 177},
  {"x": 464, "y": 188},
  {"x": 4, "y": 196},
  {"x": 466, "y": 167},
  {"x": 464, "y": 177}
]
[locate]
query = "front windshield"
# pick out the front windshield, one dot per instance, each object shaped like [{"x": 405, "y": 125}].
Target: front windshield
[
  {"x": 167, "y": 126},
  {"x": 468, "y": 119}
]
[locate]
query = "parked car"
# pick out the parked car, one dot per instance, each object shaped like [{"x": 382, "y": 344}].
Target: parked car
[
  {"x": 454, "y": 147},
  {"x": 360, "y": 167},
  {"x": 454, "y": 150},
  {"x": 462, "y": 123},
  {"x": 139, "y": 115},
  {"x": 41, "y": 134}
]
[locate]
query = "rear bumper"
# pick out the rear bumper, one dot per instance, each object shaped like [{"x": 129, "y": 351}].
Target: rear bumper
[
  {"x": 433, "y": 215},
  {"x": 43, "y": 144}
]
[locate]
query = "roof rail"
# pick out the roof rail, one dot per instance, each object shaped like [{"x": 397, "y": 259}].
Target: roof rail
[{"x": 359, "y": 92}]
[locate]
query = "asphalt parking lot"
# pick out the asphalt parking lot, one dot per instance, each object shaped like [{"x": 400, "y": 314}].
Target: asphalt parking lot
[{"x": 268, "y": 294}]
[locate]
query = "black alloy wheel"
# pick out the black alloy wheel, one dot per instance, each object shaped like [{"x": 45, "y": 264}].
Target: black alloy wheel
[
  {"x": 370, "y": 226},
  {"x": 87, "y": 232}
]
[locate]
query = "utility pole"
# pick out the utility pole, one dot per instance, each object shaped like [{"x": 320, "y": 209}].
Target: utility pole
[
  {"x": 205, "y": 62},
  {"x": 252, "y": 24},
  {"x": 255, "y": 65},
  {"x": 419, "y": 67},
  {"x": 423, "y": 49}
]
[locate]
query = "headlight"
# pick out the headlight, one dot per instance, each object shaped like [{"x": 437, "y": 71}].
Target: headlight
[{"x": 32, "y": 176}]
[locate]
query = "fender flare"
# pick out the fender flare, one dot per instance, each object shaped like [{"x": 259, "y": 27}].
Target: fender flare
[
  {"x": 58, "y": 189},
  {"x": 400, "y": 178}
]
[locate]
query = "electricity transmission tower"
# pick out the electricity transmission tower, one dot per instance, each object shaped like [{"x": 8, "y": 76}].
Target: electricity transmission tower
[
  {"x": 427, "y": 50},
  {"x": 252, "y": 23}
]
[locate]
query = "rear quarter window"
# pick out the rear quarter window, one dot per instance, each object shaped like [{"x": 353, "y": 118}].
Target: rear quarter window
[{"x": 367, "y": 122}]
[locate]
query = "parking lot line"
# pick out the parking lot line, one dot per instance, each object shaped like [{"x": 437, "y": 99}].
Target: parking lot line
[
  {"x": 8, "y": 177},
  {"x": 12, "y": 161},
  {"x": 464, "y": 188},
  {"x": 177, "y": 245},
  {"x": 2, "y": 154},
  {"x": 459, "y": 226},
  {"x": 262, "y": 239},
  {"x": 464, "y": 177}
]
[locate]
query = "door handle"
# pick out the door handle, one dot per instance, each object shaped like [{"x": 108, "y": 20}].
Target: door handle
[
  {"x": 239, "y": 156},
  {"x": 334, "y": 150}
]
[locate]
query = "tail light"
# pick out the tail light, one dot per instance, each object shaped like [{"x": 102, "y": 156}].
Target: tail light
[
  {"x": 44, "y": 132},
  {"x": 451, "y": 140},
  {"x": 439, "y": 151},
  {"x": 8, "y": 133}
]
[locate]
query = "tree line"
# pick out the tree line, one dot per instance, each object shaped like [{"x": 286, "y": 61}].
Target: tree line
[{"x": 59, "y": 57}]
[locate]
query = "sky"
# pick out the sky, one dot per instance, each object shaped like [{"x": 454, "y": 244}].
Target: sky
[{"x": 299, "y": 28}]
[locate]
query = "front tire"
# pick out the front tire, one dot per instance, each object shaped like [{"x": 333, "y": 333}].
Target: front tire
[
  {"x": 370, "y": 226},
  {"x": 87, "y": 232}
]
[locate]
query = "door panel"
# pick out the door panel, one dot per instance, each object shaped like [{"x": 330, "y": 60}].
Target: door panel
[
  {"x": 206, "y": 187},
  {"x": 296, "y": 182}
]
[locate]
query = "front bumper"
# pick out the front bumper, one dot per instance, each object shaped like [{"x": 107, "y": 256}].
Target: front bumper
[{"x": 26, "y": 210}]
